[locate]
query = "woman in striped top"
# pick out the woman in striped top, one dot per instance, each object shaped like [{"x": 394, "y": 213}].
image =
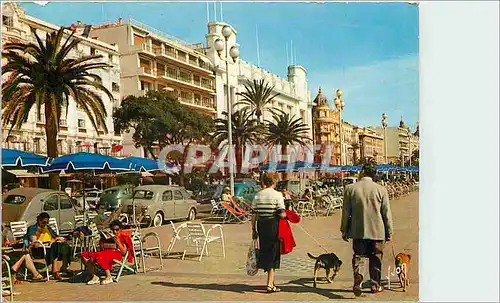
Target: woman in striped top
[{"x": 269, "y": 206}]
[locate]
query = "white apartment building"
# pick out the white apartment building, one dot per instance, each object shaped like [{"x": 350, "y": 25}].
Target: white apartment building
[
  {"x": 294, "y": 98},
  {"x": 76, "y": 131},
  {"x": 153, "y": 60}
]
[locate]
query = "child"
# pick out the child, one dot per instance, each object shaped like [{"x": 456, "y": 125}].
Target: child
[{"x": 284, "y": 230}]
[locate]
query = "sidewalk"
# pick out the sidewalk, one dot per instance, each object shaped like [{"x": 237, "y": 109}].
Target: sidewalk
[{"x": 215, "y": 278}]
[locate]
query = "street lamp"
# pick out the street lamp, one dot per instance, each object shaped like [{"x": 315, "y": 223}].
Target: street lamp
[
  {"x": 234, "y": 53},
  {"x": 339, "y": 105},
  {"x": 384, "y": 125}
]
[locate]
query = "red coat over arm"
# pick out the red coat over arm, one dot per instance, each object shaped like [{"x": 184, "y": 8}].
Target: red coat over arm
[{"x": 285, "y": 232}]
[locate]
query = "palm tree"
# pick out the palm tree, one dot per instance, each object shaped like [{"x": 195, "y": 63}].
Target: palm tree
[
  {"x": 257, "y": 97},
  {"x": 246, "y": 130},
  {"x": 355, "y": 147},
  {"x": 43, "y": 74},
  {"x": 286, "y": 130}
]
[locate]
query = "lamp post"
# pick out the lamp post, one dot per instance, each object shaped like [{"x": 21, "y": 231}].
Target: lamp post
[
  {"x": 234, "y": 54},
  {"x": 339, "y": 105},
  {"x": 384, "y": 125}
]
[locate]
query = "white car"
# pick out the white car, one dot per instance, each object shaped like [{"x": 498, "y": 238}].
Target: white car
[{"x": 91, "y": 198}]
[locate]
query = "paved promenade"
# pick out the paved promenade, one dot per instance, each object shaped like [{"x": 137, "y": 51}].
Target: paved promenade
[{"x": 216, "y": 278}]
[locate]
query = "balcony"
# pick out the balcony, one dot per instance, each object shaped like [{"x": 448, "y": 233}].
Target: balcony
[
  {"x": 171, "y": 54},
  {"x": 183, "y": 79},
  {"x": 143, "y": 48},
  {"x": 146, "y": 71},
  {"x": 204, "y": 104}
]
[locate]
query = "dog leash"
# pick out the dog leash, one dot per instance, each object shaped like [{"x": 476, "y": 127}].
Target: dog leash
[
  {"x": 393, "y": 253},
  {"x": 317, "y": 242}
]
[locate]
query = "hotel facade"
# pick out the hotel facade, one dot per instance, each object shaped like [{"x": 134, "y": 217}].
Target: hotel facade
[
  {"x": 76, "y": 131},
  {"x": 194, "y": 73}
]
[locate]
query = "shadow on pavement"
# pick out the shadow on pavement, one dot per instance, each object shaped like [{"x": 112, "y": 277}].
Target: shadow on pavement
[{"x": 244, "y": 288}]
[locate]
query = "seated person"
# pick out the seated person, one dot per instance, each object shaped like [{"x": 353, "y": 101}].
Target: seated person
[
  {"x": 58, "y": 252},
  {"x": 104, "y": 258},
  {"x": 16, "y": 258},
  {"x": 226, "y": 195},
  {"x": 307, "y": 196}
]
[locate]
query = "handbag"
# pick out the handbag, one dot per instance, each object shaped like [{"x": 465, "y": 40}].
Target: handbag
[{"x": 252, "y": 256}]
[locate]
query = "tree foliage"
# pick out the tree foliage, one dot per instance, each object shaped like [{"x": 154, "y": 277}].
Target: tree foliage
[
  {"x": 257, "y": 98},
  {"x": 45, "y": 73}
]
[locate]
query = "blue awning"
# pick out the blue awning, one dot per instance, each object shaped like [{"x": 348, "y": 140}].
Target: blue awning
[
  {"x": 143, "y": 164},
  {"x": 13, "y": 158},
  {"x": 87, "y": 161}
]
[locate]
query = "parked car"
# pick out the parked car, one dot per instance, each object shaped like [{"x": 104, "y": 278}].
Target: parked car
[
  {"x": 246, "y": 190},
  {"x": 92, "y": 197},
  {"x": 296, "y": 186},
  {"x": 160, "y": 203},
  {"x": 25, "y": 204},
  {"x": 112, "y": 198},
  {"x": 207, "y": 193}
]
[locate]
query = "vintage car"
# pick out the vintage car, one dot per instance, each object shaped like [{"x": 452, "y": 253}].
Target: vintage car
[
  {"x": 112, "y": 198},
  {"x": 160, "y": 203},
  {"x": 25, "y": 204},
  {"x": 92, "y": 197}
]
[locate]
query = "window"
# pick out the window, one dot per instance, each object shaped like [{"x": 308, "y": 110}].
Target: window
[
  {"x": 115, "y": 87},
  {"x": 110, "y": 58},
  {"x": 143, "y": 194},
  {"x": 65, "y": 202},
  {"x": 14, "y": 199},
  {"x": 186, "y": 96},
  {"x": 50, "y": 203},
  {"x": 36, "y": 145},
  {"x": 81, "y": 123},
  {"x": 93, "y": 51},
  {"x": 8, "y": 21},
  {"x": 167, "y": 196},
  {"x": 178, "y": 195}
]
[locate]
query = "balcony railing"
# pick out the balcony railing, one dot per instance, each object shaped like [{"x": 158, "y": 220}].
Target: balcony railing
[
  {"x": 172, "y": 54},
  {"x": 176, "y": 75},
  {"x": 146, "y": 70}
]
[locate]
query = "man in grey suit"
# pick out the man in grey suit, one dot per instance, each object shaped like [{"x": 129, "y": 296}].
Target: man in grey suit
[{"x": 367, "y": 220}]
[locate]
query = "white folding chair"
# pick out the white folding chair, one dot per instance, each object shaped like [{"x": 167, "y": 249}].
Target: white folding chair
[
  {"x": 216, "y": 207},
  {"x": 53, "y": 225},
  {"x": 152, "y": 249},
  {"x": 7, "y": 285},
  {"x": 176, "y": 236},
  {"x": 39, "y": 260},
  {"x": 19, "y": 229},
  {"x": 138, "y": 251},
  {"x": 198, "y": 237}
]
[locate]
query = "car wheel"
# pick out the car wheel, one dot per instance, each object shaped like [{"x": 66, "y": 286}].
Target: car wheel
[
  {"x": 192, "y": 214},
  {"x": 158, "y": 219}
]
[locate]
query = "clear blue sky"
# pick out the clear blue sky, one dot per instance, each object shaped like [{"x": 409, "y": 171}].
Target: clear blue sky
[{"x": 370, "y": 50}]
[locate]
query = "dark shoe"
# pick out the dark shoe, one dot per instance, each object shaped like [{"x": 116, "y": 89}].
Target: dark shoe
[
  {"x": 376, "y": 288},
  {"x": 57, "y": 276},
  {"x": 356, "y": 289}
]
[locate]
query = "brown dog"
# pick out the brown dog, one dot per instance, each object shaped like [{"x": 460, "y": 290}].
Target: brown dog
[{"x": 402, "y": 262}]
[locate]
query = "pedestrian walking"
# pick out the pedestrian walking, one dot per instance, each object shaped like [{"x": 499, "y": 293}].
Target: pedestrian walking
[
  {"x": 367, "y": 220},
  {"x": 269, "y": 207}
]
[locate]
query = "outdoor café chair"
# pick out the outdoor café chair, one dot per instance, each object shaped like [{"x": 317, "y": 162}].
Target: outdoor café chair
[
  {"x": 141, "y": 250},
  {"x": 216, "y": 208},
  {"x": 19, "y": 229},
  {"x": 7, "y": 285},
  {"x": 39, "y": 260},
  {"x": 200, "y": 238},
  {"x": 53, "y": 225},
  {"x": 176, "y": 236},
  {"x": 231, "y": 213}
]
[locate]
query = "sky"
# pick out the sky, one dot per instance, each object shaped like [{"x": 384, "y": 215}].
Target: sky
[{"x": 369, "y": 50}]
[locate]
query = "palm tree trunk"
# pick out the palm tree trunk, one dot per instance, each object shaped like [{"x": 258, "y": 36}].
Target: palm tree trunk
[
  {"x": 239, "y": 159},
  {"x": 51, "y": 136},
  {"x": 284, "y": 175}
]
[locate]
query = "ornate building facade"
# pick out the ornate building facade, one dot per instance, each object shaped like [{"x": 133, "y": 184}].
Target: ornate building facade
[{"x": 76, "y": 132}]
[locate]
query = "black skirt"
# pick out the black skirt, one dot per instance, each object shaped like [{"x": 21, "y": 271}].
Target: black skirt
[{"x": 269, "y": 243}]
